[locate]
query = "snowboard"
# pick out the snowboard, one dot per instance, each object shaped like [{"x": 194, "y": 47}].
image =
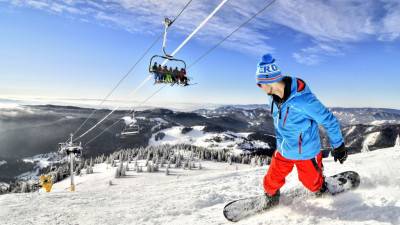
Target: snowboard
[{"x": 242, "y": 208}]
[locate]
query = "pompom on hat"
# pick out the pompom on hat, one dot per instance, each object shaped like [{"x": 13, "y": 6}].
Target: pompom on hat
[{"x": 267, "y": 71}]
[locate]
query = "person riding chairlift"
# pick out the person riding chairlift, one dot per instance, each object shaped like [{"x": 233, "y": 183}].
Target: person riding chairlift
[
  {"x": 175, "y": 75},
  {"x": 182, "y": 77},
  {"x": 168, "y": 75},
  {"x": 156, "y": 71},
  {"x": 160, "y": 73},
  {"x": 164, "y": 72}
]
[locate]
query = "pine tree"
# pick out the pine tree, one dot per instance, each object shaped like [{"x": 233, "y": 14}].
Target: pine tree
[
  {"x": 365, "y": 147},
  {"x": 162, "y": 162},
  {"x": 127, "y": 166},
  {"x": 121, "y": 168},
  {"x": 397, "y": 144},
  {"x": 167, "y": 171},
  {"x": 155, "y": 168},
  {"x": 253, "y": 161},
  {"x": 117, "y": 173},
  {"x": 24, "y": 187},
  {"x": 123, "y": 171}
]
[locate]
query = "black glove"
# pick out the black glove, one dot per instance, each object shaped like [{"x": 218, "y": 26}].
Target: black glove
[{"x": 339, "y": 153}]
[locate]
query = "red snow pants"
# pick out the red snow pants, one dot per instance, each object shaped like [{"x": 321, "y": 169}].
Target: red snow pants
[{"x": 309, "y": 172}]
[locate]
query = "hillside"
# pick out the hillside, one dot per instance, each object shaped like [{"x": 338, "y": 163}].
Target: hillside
[
  {"x": 198, "y": 196},
  {"x": 238, "y": 127}
]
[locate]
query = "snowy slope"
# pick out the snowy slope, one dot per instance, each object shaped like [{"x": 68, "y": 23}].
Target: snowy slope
[
  {"x": 225, "y": 140},
  {"x": 198, "y": 196}
]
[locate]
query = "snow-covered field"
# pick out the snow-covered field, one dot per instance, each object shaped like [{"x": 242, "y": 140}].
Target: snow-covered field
[
  {"x": 225, "y": 140},
  {"x": 198, "y": 196}
]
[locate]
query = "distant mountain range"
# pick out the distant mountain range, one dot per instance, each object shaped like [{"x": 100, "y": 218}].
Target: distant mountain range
[{"x": 26, "y": 131}]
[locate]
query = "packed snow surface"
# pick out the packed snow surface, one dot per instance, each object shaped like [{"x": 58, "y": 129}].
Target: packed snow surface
[{"x": 198, "y": 196}]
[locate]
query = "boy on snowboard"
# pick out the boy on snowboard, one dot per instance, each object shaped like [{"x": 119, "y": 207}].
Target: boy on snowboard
[{"x": 296, "y": 114}]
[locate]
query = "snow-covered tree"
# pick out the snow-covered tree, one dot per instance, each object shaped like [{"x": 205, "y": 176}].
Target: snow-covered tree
[
  {"x": 189, "y": 165},
  {"x": 166, "y": 171},
  {"x": 127, "y": 166},
  {"x": 122, "y": 168},
  {"x": 89, "y": 170},
  {"x": 117, "y": 173},
  {"x": 162, "y": 162},
  {"x": 24, "y": 187},
  {"x": 155, "y": 168},
  {"x": 260, "y": 161},
  {"x": 397, "y": 143},
  {"x": 253, "y": 161},
  {"x": 123, "y": 171},
  {"x": 365, "y": 147}
]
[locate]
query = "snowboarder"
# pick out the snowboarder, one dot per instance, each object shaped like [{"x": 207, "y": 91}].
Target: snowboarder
[{"x": 296, "y": 114}]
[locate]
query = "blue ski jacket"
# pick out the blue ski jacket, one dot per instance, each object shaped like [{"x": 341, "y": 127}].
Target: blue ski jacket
[{"x": 296, "y": 123}]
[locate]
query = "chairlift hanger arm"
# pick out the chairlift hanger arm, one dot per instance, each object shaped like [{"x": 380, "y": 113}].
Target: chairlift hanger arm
[{"x": 167, "y": 24}]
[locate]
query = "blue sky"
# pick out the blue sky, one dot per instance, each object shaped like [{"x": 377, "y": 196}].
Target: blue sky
[{"x": 348, "y": 51}]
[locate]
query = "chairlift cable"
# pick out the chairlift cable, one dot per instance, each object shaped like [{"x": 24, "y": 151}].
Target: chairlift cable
[
  {"x": 209, "y": 50},
  {"x": 131, "y": 69},
  {"x": 116, "y": 122},
  {"x": 119, "y": 83},
  {"x": 229, "y": 35},
  {"x": 176, "y": 51}
]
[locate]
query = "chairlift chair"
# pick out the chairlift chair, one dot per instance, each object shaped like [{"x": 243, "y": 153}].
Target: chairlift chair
[
  {"x": 173, "y": 62},
  {"x": 132, "y": 128},
  {"x": 70, "y": 148}
]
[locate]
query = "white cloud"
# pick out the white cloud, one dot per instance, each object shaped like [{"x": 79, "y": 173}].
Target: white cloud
[
  {"x": 390, "y": 29},
  {"x": 307, "y": 59},
  {"x": 334, "y": 20},
  {"x": 327, "y": 24},
  {"x": 314, "y": 54}
]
